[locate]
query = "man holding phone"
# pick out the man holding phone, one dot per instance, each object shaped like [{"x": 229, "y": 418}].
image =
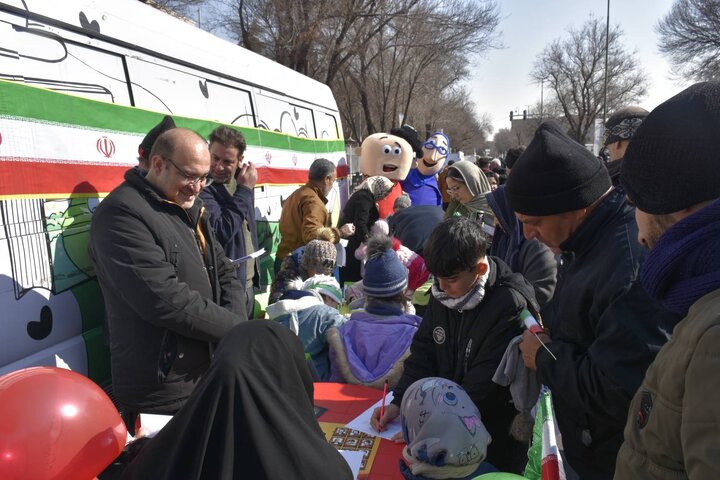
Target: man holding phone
[{"x": 230, "y": 202}]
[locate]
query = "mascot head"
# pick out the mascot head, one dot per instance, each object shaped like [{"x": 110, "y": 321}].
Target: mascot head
[
  {"x": 386, "y": 155},
  {"x": 435, "y": 151}
]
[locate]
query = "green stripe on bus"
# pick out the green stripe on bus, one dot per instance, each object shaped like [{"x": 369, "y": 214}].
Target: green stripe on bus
[{"x": 38, "y": 104}]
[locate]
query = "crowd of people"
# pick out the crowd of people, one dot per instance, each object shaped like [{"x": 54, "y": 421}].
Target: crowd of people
[{"x": 424, "y": 291}]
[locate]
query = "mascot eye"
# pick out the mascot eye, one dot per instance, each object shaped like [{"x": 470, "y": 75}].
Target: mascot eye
[
  {"x": 397, "y": 151},
  {"x": 450, "y": 398},
  {"x": 387, "y": 149}
]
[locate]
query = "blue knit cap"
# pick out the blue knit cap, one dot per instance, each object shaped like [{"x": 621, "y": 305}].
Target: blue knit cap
[{"x": 385, "y": 276}]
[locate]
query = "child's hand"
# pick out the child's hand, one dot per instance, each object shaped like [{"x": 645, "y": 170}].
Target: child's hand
[{"x": 391, "y": 413}]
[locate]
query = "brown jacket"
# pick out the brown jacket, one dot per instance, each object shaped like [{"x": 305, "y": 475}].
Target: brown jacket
[
  {"x": 674, "y": 419},
  {"x": 303, "y": 214}
]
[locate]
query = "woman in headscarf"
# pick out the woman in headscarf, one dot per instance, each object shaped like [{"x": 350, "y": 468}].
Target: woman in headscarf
[
  {"x": 251, "y": 417},
  {"x": 467, "y": 185},
  {"x": 361, "y": 210}
]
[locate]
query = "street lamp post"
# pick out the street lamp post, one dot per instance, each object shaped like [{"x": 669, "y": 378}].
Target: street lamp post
[
  {"x": 542, "y": 81},
  {"x": 607, "y": 45}
]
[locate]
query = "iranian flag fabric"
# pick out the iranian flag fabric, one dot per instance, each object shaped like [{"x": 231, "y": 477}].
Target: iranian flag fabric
[
  {"x": 55, "y": 145},
  {"x": 544, "y": 461}
]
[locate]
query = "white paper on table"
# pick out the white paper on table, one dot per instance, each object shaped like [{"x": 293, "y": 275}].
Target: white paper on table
[
  {"x": 362, "y": 421},
  {"x": 150, "y": 425},
  {"x": 354, "y": 459},
  {"x": 240, "y": 260}
]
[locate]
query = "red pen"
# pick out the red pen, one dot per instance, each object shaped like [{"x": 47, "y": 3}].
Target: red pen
[{"x": 382, "y": 405}]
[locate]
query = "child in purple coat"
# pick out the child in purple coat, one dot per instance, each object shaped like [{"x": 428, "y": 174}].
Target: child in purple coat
[{"x": 372, "y": 346}]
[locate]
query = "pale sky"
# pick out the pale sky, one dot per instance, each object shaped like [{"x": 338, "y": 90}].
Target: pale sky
[{"x": 500, "y": 81}]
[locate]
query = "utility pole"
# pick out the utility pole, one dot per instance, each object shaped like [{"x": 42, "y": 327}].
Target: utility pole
[
  {"x": 607, "y": 45},
  {"x": 542, "y": 81}
]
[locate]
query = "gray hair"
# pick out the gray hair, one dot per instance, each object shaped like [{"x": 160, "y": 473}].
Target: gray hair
[{"x": 321, "y": 168}]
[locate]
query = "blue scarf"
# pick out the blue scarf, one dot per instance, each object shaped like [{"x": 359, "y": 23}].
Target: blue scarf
[{"x": 684, "y": 264}]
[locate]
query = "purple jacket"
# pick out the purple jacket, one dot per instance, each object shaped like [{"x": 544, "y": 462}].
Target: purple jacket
[{"x": 369, "y": 349}]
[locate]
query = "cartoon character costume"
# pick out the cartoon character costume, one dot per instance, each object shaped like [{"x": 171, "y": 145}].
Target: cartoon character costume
[
  {"x": 421, "y": 183},
  {"x": 388, "y": 156}
]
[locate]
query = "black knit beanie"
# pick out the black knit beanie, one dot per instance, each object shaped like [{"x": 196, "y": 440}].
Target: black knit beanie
[
  {"x": 680, "y": 135},
  {"x": 555, "y": 174},
  {"x": 146, "y": 145}
]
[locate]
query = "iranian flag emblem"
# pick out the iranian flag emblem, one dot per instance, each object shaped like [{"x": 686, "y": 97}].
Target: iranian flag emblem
[{"x": 544, "y": 461}]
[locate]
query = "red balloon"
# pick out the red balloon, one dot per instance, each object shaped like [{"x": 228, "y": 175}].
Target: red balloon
[{"x": 56, "y": 424}]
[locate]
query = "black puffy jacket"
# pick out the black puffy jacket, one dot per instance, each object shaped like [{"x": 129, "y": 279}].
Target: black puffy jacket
[
  {"x": 170, "y": 293},
  {"x": 606, "y": 331},
  {"x": 467, "y": 346}
]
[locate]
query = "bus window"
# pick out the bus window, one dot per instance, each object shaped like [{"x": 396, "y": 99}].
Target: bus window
[
  {"x": 284, "y": 117},
  {"x": 56, "y": 64},
  {"x": 162, "y": 88},
  {"x": 326, "y": 126},
  {"x": 230, "y": 105}
]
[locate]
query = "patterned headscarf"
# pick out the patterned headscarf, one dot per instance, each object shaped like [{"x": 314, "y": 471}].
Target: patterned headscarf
[
  {"x": 378, "y": 186},
  {"x": 442, "y": 429}
]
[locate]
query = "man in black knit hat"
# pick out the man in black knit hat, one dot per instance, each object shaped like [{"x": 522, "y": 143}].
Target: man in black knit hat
[
  {"x": 604, "y": 330},
  {"x": 672, "y": 426}
]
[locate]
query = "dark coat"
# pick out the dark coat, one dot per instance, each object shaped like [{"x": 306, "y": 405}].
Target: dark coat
[
  {"x": 251, "y": 418},
  {"x": 466, "y": 347},
  {"x": 227, "y": 215},
  {"x": 361, "y": 211},
  {"x": 413, "y": 225},
  {"x": 605, "y": 333},
  {"x": 166, "y": 303}
]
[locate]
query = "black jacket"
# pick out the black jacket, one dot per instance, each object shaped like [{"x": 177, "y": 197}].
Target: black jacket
[
  {"x": 467, "y": 346},
  {"x": 227, "y": 214},
  {"x": 605, "y": 333},
  {"x": 413, "y": 225},
  {"x": 166, "y": 303},
  {"x": 361, "y": 211}
]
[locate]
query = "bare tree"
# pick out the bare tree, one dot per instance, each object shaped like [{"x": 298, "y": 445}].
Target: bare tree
[
  {"x": 382, "y": 58},
  {"x": 690, "y": 37},
  {"x": 411, "y": 67},
  {"x": 503, "y": 141},
  {"x": 574, "y": 69}
]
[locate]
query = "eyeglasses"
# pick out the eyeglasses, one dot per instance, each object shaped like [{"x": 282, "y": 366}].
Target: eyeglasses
[
  {"x": 430, "y": 145},
  {"x": 204, "y": 180},
  {"x": 452, "y": 190}
]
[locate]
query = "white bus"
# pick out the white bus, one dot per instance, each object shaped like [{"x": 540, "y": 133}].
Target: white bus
[{"x": 81, "y": 82}]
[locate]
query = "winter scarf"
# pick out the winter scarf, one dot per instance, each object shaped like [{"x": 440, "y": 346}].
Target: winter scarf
[
  {"x": 468, "y": 301},
  {"x": 379, "y": 187},
  {"x": 684, "y": 265}
]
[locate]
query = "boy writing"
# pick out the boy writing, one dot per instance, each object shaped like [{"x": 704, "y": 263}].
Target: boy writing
[{"x": 471, "y": 318}]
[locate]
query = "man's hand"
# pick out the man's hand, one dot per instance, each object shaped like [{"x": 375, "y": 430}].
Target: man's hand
[
  {"x": 529, "y": 347},
  {"x": 347, "y": 230},
  {"x": 246, "y": 175}
]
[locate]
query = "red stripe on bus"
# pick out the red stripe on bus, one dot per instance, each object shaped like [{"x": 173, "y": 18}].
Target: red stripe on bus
[{"x": 36, "y": 178}]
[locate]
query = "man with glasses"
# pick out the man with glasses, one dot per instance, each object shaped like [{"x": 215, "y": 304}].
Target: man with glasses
[
  {"x": 230, "y": 202},
  {"x": 170, "y": 292}
]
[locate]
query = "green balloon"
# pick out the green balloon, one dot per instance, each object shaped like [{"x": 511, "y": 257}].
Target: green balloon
[{"x": 499, "y": 476}]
